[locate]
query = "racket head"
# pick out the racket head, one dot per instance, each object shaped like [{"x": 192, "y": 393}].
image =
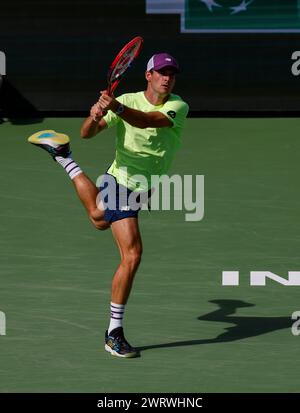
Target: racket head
[{"x": 122, "y": 62}]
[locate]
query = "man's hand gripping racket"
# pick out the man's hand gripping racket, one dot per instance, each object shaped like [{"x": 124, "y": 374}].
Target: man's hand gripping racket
[{"x": 116, "y": 72}]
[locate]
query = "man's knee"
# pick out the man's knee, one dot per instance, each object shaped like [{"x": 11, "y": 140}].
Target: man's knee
[
  {"x": 133, "y": 257},
  {"x": 100, "y": 225}
]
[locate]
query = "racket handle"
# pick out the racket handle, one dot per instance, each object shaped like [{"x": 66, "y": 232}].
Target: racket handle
[{"x": 113, "y": 87}]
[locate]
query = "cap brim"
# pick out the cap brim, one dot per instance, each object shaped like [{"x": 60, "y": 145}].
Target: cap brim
[{"x": 176, "y": 69}]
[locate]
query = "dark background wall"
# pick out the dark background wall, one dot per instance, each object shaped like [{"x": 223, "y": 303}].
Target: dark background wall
[{"x": 58, "y": 53}]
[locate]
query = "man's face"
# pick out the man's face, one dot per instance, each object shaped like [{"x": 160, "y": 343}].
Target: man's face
[{"x": 161, "y": 81}]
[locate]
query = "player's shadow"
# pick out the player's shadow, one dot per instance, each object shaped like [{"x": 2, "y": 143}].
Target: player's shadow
[{"x": 244, "y": 326}]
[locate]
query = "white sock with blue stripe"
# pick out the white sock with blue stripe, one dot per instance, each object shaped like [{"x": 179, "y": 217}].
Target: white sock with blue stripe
[{"x": 116, "y": 316}]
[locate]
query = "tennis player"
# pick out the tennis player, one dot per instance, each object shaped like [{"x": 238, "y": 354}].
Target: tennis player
[{"x": 148, "y": 127}]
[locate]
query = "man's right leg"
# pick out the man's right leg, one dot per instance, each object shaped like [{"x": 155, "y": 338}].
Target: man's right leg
[{"x": 127, "y": 236}]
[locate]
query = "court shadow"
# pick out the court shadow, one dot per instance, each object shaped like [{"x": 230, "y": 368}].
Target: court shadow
[
  {"x": 243, "y": 327},
  {"x": 15, "y": 107}
]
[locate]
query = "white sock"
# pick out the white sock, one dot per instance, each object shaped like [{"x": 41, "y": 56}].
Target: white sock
[
  {"x": 116, "y": 316},
  {"x": 69, "y": 166}
]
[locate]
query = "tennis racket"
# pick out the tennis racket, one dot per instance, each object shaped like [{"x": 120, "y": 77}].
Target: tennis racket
[{"x": 122, "y": 62}]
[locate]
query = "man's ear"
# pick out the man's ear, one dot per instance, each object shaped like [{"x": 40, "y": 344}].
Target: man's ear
[{"x": 148, "y": 75}]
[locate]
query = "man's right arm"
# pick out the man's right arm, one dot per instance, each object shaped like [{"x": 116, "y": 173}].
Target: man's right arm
[{"x": 94, "y": 123}]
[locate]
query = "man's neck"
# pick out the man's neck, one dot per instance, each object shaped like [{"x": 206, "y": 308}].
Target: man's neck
[{"x": 154, "y": 98}]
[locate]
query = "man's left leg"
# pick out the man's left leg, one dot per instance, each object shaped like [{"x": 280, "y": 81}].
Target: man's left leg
[
  {"x": 127, "y": 236},
  {"x": 57, "y": 145}
]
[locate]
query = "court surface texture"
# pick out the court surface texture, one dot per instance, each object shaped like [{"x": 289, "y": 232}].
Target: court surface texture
[{"x": 195, "y": 335}]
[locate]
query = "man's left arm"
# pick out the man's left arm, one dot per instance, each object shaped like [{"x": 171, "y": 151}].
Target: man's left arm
[{"x": 135, "y": 117}]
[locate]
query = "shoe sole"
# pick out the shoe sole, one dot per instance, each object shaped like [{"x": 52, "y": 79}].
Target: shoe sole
[
  {"x": 53, "y": 137},
  {"x": 114, "y": 353}
]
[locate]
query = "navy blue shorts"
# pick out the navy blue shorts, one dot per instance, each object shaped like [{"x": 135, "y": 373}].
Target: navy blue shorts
[{"x": 120, "y": 202}]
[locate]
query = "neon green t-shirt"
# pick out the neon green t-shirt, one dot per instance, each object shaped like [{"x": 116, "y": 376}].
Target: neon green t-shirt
[{"x": 148, "y": 151}]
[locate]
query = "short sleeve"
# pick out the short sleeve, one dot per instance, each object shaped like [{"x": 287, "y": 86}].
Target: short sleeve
[{"x": 176, "y": 110}]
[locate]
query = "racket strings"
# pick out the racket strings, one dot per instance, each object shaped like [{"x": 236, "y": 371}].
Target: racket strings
[{"x": 124, "y": 62}]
